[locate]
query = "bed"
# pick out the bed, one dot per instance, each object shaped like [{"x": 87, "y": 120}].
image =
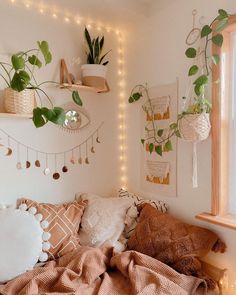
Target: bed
[{"x": 104, "y": 269}]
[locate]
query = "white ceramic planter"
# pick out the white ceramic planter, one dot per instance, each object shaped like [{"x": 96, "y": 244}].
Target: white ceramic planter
[
  {"x": 94, "y": 75},
  {"x": 93, "y": 70},
  {"x": 19, "y": 102},
  {"x": 195, "y": 127}
]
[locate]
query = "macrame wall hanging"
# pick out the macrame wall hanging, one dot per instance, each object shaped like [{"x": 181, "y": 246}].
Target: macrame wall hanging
[{"x": 79, "y": 154}]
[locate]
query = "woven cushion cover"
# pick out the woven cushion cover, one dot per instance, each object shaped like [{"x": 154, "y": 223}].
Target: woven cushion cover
[
  {"x": 64, "y": 222},
  {"x": 172, "y": 241}
]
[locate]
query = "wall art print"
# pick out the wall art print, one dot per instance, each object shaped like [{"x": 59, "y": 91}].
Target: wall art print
[{"x": 159, "y": 173}]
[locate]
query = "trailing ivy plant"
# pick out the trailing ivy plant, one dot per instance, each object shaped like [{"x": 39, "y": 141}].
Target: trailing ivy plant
[
  {"x": 209, "y": 33},
  {"x": 19, "y": 74},
  {"x": 160, "y": 141},
  {"x": 95, "y": 47}
]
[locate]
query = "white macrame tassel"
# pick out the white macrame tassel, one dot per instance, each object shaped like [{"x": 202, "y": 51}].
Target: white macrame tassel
[{"x": 194, "y": 179}]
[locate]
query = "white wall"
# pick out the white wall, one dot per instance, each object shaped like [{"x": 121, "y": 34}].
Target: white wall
[
  {"x": 156, "y": 55},
  {"x": 20, "y": 29}
]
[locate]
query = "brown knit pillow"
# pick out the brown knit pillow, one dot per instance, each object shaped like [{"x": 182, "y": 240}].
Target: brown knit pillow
[
  {"x": 64, "y": 222},
  {"x": 172, "y": 241}
]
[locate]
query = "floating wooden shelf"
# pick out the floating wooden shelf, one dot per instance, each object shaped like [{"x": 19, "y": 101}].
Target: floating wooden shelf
[
  {"x": 16, "y": 116},
  {"x": 80, "y": 87}
]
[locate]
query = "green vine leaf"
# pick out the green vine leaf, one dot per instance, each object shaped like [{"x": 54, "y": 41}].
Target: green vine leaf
[
  {"x": 151, "y": 148},
  {"x": 206, "y": 30},
  {"x": 223, "y": 13},
  {"x": 20, "y": 81},
  {"x": 202, "y": 80},
  {"x": 76, "y": 98},
  {"x": 33, "y": 60},
  {"x": 222, "y": 24},
  {"x": 199, "y": 89},
  {"x": 168, "y": 146},
  {"x": 38, "y": 118},
  {"x": 193, "y": 70},
  {"x": 158, "y": 150},
  {"x": 177, "y": 133},
  {"x": 137, "y": 95},
  {"x": 131, "y": 99},
  {"x": 160, "y": 132},
  {"x": 191, "y": 52},
  {"x": 173, "y": 126},
  {"x": 142, "y": 141},
  {"x": 216, "y": 59},
  {"x": 44, "y": 48},
  {"x": 18, "y": 62},
  {"x": 218, "y": 40}
]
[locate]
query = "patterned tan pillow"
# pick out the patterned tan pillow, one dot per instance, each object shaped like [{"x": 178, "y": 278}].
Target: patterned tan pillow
[
  {"x": 172, "y": 241},
  {"x": 64, "y": 222}
]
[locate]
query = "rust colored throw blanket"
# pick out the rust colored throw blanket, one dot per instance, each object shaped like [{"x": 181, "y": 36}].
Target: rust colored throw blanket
[{"x": 90, "y": 271}]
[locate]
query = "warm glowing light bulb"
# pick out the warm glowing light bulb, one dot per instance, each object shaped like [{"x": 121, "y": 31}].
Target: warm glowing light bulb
[
  {"x": 78, "y": 21},
  {"x": 89, "y": 26},
  {"x": 27, "y": 5},
  {"x": 66, "y": 19},
  {"x": 54, "y": 15},
  {"x": 123, "y": 168},
  {"x": 12, "y": 1},
  {"x": 41, "y": 11}
]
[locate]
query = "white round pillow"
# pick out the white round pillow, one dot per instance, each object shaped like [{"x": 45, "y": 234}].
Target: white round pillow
[{"x": 21, "y": 242}]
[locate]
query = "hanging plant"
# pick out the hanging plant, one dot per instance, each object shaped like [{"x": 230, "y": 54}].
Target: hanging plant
[
  {"x": 194, "y": 121},
  {"x": 19, "y": 76},
  {"x": 160, "y": 139}
]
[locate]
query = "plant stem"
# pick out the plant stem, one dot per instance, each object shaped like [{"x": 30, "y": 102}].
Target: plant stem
[
  {"x": 36, "y": 87},
  {"x": 4, "y": 68},
  {"x": 5, "y": 80}
]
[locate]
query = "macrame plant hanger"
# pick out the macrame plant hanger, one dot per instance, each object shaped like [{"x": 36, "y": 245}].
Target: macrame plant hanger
[{"x": 192, "y": 38}]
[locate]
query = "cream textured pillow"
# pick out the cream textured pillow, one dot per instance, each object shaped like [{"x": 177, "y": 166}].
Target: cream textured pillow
[
  {"x": 103, "y": 221},
  {"x": 21, "y": 242}
]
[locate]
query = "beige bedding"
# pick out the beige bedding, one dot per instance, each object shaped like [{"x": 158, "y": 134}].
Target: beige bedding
[{"x": 90, "y": 271}]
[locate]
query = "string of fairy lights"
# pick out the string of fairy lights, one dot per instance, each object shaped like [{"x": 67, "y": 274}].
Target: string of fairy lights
[{"x": 74, "y": 19}]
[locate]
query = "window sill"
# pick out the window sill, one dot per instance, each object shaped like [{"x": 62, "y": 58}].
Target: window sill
[{"x": 228, "y": 221}]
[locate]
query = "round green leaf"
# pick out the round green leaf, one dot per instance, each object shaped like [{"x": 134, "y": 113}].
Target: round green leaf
[
  {"x": 202, "y": 80},
  {"x": 206, "y": 30},
  {"x": 218, "y": 40},
  {"x": 18, "y": 62},
  {"x": 193, "y": 70},
  {"x": 191, "y": 52},
  {"x": 142, "y": 141}
]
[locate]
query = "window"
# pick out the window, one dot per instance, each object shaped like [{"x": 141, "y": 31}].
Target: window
[{"x": 223, "y": 211}]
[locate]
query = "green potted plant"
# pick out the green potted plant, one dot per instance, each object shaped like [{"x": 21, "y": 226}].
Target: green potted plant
[
  {"x": 19, "y": 76},
  {"x": 194, "y": 121},
  {"x": 96, "y": 64}
]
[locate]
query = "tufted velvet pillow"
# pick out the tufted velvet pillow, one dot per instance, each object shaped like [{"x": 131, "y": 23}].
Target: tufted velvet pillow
[{"x": 172, "y": 241}]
